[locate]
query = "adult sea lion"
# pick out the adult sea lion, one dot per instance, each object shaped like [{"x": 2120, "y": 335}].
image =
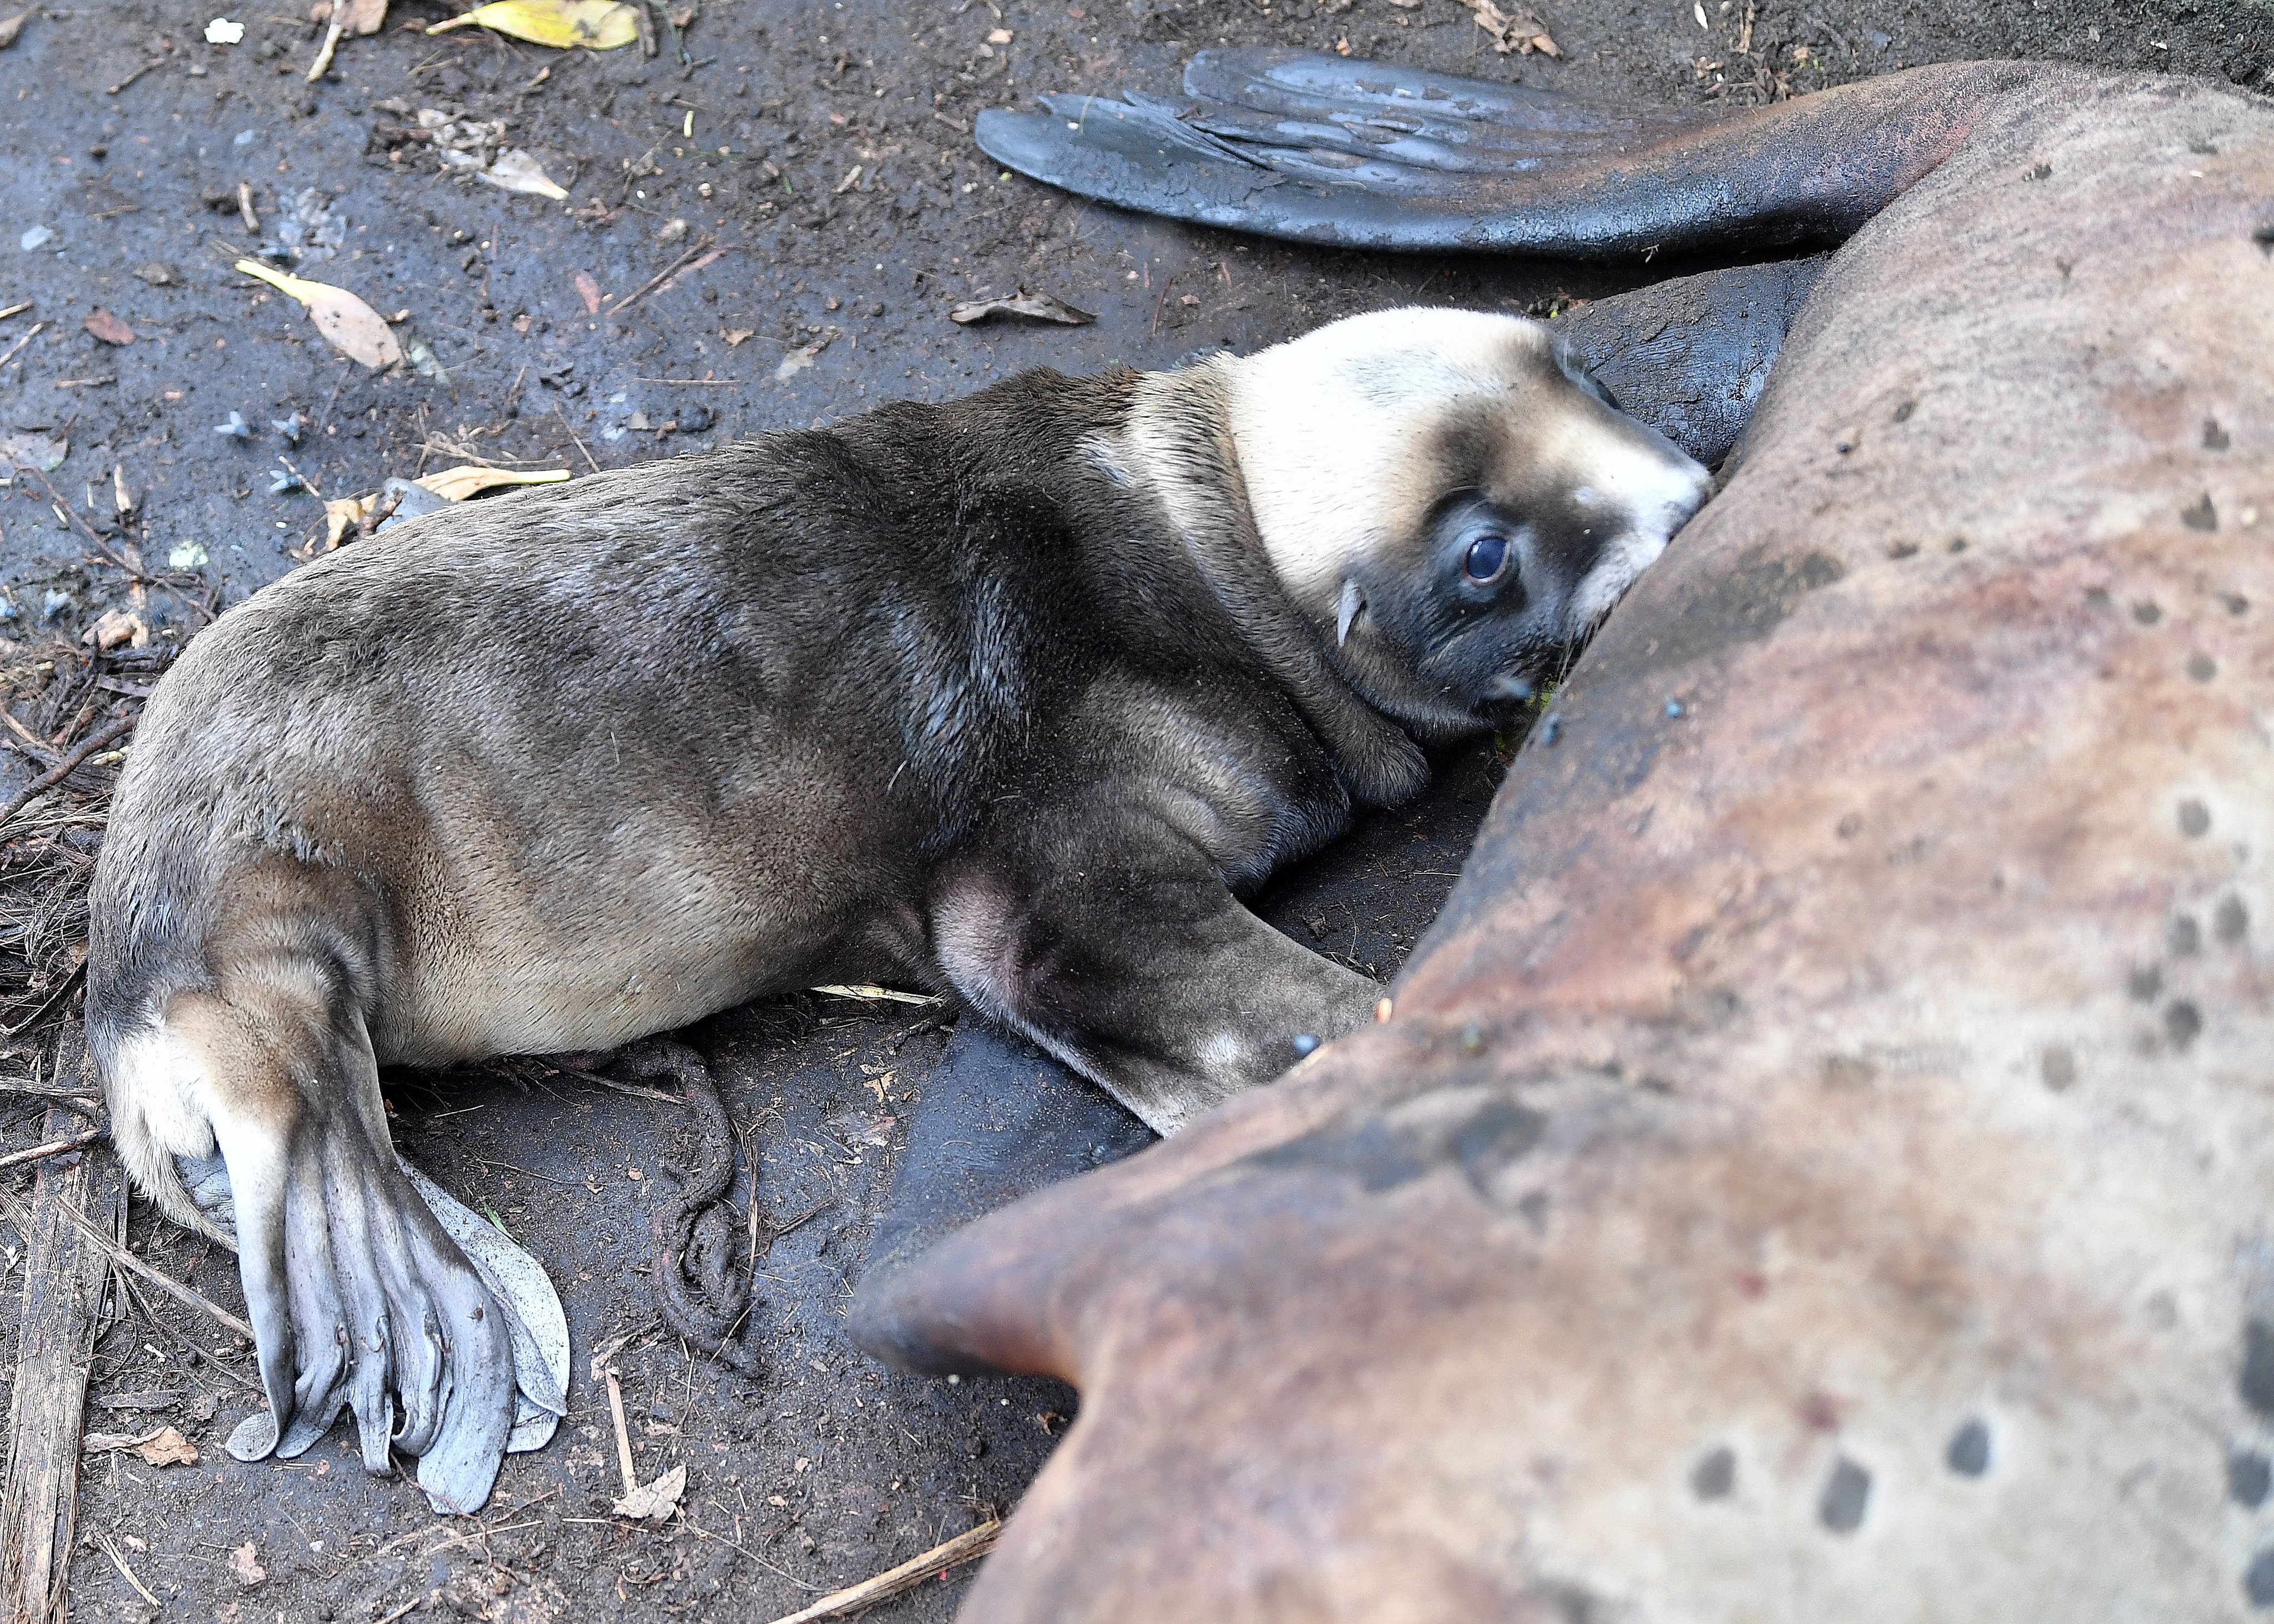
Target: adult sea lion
[
  {"x": 1014, "y": 696},
  {"x": 1818, "y": 1166}
]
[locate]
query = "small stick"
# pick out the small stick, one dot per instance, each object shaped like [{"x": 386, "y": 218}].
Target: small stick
[
  {"x": 693, "y": 259},
  {"x": 91, "y": 744},
  {"x": 53, "y": 1147},
  {"x": 202, "y": 1355},
  {"x": 114, "y": 89},
  {"x": 331, "y": 44},
  {"x": 579, "y": 444},
  {"x": 18, "y": 1215},
  {"x": 15, "y": 310},
  {"x": 119, "y": 1562},
  {"x": 51, "y": 1001},
  {"x": 37, "y": 328},
  {"x": 623, "y": 1433},
  {"x": 245, "y": 208},
  {"x": 964, "y": 1547}
]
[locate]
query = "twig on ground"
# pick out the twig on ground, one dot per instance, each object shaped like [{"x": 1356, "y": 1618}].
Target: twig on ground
[
  {"x": 203, "y": 1357},
  {"x": 53, "y": 1147},
  {"x": 102, "y": 1543},
  {"x": 52, "y": 999},
  {"x": 91, "y": 745},
  {"x": 13, "y": 1209},
  {"x": 30, "y": 333},
  {"x": 579, "y": 444},
  {"x": 623, "y": 1433},
  {"x": 964, "y": 1547},
  {"x": 331, "y": 43},
  {"x": 112, "y": 90},
  {"x": 693, "y": 259}
]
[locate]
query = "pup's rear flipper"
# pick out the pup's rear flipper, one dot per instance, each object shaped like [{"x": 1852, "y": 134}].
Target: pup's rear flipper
[
  {"x": 362, "y": 1293},
  {"x": 535, "y": 1321},
  {"x": 1324, "y": 149}
]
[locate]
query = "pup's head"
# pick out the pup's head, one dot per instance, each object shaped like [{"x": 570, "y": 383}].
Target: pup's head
[{"x": 1449, "y": 500}]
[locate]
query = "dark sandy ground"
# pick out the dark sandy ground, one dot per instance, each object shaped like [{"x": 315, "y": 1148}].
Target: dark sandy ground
[{"x": 824, "y": 145}]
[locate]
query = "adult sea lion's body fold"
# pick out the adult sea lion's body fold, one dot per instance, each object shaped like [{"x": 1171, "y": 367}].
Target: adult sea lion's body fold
[{"x": 1818, "y": 1168}]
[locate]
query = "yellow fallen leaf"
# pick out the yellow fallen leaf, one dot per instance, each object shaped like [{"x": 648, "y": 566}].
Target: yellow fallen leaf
[
  {"x": 339, "y": 515},
  {"x": 596, "y": 25},
  {"x": 351, "y": 327},
  {"x": 457, "y": 484}
]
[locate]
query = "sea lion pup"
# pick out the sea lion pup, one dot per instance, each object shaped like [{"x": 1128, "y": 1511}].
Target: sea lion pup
[{"x": 1013, "y": 698}]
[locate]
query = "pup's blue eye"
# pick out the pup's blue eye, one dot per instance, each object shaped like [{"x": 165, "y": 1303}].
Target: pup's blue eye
[{"x": 1487, "y": 555}]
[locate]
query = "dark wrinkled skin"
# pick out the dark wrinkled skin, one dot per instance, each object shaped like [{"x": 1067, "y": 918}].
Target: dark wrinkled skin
[{"x": 1817, "y": 1165}]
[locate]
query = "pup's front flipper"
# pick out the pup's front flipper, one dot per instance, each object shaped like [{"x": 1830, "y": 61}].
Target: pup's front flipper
[{"x": 1140, "y": 969}]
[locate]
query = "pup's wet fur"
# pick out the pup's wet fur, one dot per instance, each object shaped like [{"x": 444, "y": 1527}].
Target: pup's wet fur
[{"x": 1013, "y": 698}]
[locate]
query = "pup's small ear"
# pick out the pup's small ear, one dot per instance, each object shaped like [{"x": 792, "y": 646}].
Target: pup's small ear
[{"x": 1353, "y": 600}]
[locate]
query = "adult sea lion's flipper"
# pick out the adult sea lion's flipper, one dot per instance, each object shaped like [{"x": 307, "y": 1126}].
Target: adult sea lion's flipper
[{"x": 1328, "y": 149}]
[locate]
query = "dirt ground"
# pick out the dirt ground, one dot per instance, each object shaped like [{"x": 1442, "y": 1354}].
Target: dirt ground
[{"x": 824, "y": 146}]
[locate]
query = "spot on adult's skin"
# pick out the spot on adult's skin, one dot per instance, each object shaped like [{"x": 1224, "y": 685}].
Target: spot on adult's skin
[
  {"x": 1497, "y": 1135},
  {"x": 2146, "y": 613},
  {"x": 1845, "y": 1497},
  {"x": 1715, "y": 1478},
  {"x": 2231, "y": 923},
  {"x": 2145, "y": 982},
  {"x": 2257, "y": 1383},
  {"x": 2249, "y": 1475},
  {"x": 2215, "y": 438},
  {"x": 1969, "y": 1454},
  {"x": 2195, "y": 819},
  {"x": 2183, "y": 1023},
  {"x": 2201, "y": 516},
  {"x": 2258, "y": 1580},
  {"x": 2057, "y": 1067},
  {"x": 2183, "y": 936},
  {"x": 2202, "y": 667}
]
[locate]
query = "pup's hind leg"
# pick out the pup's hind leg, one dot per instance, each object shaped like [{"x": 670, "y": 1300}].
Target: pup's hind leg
[{"x": 358, "y": 1298}]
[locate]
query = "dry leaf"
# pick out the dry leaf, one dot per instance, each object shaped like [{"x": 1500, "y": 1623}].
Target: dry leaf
[
  {"x": 158, "y": 274},
  {"x": 351, "y": 327},
  {"x": 1037, "y": 306},
  {"x": 596, "y": 25},
  {"x": 517, "y": 171},
  {"x": 43, "y": 452},
  {"x": 117, "y": 627},
  {"x": 364, "y": 17},
  {"x": 11, "y": 27},
  {"x": 734, "y": 335},
  {"x": 166, "y": 1446},
  {"x": 589, "y": 290},
  {"x": 655, "y": 1502},
  {"x": 797, "y": 360},
  {"x": 1513, "y": 30},
  {"x": 457, "y": 484},
  {"x": 244, "y": 1566},
  {"x": 109, "y": 327},
  {"x": 342, "y": 513}
]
